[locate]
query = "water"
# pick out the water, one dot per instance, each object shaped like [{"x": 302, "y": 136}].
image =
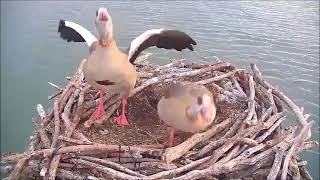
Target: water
[{"x": 281, "y": 37}]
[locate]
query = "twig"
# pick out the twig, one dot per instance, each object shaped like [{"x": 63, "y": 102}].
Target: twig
[
  {"x": 55, "y": 86},
  {"x": 218, "y": 78},
  {"x": 297, "y": 142},
  {"x": 21, "y": 163},
  {"x": 111, "y": 165},
  {"x": 175, "y": 152},
  {"x": 251, "y": 103},
  {"x": 56, "y": 125},
  {"x": 55, "y": 95},
  {"x": 189, "y": 73},
  {"x": 71, "y": 140},
  {"x": 108, "y": 171},
  {"x": 292, "y": 105}
]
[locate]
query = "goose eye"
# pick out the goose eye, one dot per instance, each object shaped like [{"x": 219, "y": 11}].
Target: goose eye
[{"x": 199, "y": 100}]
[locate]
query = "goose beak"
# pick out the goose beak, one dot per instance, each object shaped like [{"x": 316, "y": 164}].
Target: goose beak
[
  {"x": 102, "y": 14},
  {"x": 205, "y": 114}
]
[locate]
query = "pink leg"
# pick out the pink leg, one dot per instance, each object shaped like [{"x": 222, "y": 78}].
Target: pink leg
[
  {"x": 122, "y": 120},
  {"x": 100, "y": 109},
  {"x": 170, "y": 141}
]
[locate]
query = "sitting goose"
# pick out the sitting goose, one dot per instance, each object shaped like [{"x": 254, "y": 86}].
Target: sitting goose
[
  {"x": 194, "y": 108},
  {"x": 107, "y": 68}
]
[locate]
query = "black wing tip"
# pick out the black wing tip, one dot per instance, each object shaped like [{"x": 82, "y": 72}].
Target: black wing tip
[
  {"x": 61, "y": 25},
  {"x": 189, "y": 41},
  {"x": 193, "y": 42},
  {"x": 69, "y": 34}
]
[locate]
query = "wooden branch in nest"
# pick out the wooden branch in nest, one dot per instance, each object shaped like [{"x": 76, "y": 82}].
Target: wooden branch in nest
[
  {"x": 111, "y": 165},
  {"x": 297, "y": 142},
  {"x": 218, "y": 78},
  {"x": 174, "y": 153},
  {"x": 308, "y": 145},
  {"x": 251, "y": 103},
  {"x": 74, "y": 141},
  {"x": 189, "y": 73},
  {"x": 111, "y": 173},
  {"x": 56, "y": 125},
  {"x": 82, "y": 149},
  {"x": 22, "y": 161},
  {"x": 178, "y": 170},
  {"x": 55, "y": 95},
  {"x": 258, "y": 77}
]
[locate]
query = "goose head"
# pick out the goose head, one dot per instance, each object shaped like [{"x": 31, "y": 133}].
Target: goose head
[
  {"x": 203, "y": 106},
  {"x": 103, "y": 23}
]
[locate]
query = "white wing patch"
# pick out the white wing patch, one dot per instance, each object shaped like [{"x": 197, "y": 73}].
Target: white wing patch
[
  {"x": 140, "y": 39},
  {"x": 87, "y": 35}
]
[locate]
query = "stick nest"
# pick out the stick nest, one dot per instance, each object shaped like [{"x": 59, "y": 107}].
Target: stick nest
[{"x": 247, "y": 140}]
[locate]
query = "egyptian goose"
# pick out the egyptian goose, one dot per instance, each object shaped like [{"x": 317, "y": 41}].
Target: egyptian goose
[
  {"x": 188, "y": 107},
  {"x": 109, "y": 69}
]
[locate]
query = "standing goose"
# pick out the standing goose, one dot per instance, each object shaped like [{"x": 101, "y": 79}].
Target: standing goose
[
  {"x": 107, "y": 68},
  {"x": 194, "y": 108}
]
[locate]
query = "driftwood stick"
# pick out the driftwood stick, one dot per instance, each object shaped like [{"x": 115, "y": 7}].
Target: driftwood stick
[
  {"x": 271, "y": 101},
  {"x": 257, "y": 75},
  {"x": 218, "y": 78},
  {"x": 297, "y": 142},
  {"x": 237, "y": 85},
  {"x": 66, "y": 120},
  {"x": 173, "y": 172},
  {"x": 74, "y": 141},
  {"x": 79, "y": 111},
  {"x": 41, "y": 111},
  {"x": 55, "y": 86},
  {"x": 189, "y": 73},
  {"x": 130, "y": 159},
  {"x": 216, "y": 155},
  {"x": 304, "y": 172},
  {"x": 174, "y": 153},
  {"x": 210, "y": 147},
  {"x": 82, "y": 149},
  {"x": 22, "y": 161},
  {"x": 55, "y": 95},
  {"x": 81, "y": 137},
  {"x": 63, "y": 100},
  {"x": 230, "y": 155},
  {"x": 61, "y": 173},
  {"x": 44, "y": 138},
  {"x": 108, "y": 113},
  {"x": 276, "y": 164},
  {"x": 67, "y": 110},
  {"x": 294, "y": 169},
  {"x": 108, "y": 171},
  {"x": 308, "y": 145},
  {"x": 111, "y": 164},
  {"x": 251, "y": 103},
  {"x": 56, "y": 125},
  {"x": 42, "y": 133},
  {"x": 269, "y": 131}
]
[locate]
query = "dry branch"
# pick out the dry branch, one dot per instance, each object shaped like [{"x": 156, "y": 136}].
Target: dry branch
[{"x": 174, "y": 153}]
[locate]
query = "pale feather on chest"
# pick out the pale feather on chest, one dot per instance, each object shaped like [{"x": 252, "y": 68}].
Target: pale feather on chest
[{"x": 173, "y": 113}]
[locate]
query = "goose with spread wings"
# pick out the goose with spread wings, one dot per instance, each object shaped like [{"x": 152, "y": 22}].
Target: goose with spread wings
[{"x": 109, "y": 69}]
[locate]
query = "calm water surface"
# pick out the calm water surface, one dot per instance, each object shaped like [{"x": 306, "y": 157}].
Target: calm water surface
[{"x": 281, "y": 37}]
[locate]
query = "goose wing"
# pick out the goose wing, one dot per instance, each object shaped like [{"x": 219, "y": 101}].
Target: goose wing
[
  {"x": 71, "y": 31},
  {"x": 161, "y": 38}
]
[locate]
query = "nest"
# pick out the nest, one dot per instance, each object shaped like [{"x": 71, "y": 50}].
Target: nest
[{"x": 247, "y": 139}]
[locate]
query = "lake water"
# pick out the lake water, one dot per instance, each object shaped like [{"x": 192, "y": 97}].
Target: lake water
[{"x": 281, "y": 37}]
